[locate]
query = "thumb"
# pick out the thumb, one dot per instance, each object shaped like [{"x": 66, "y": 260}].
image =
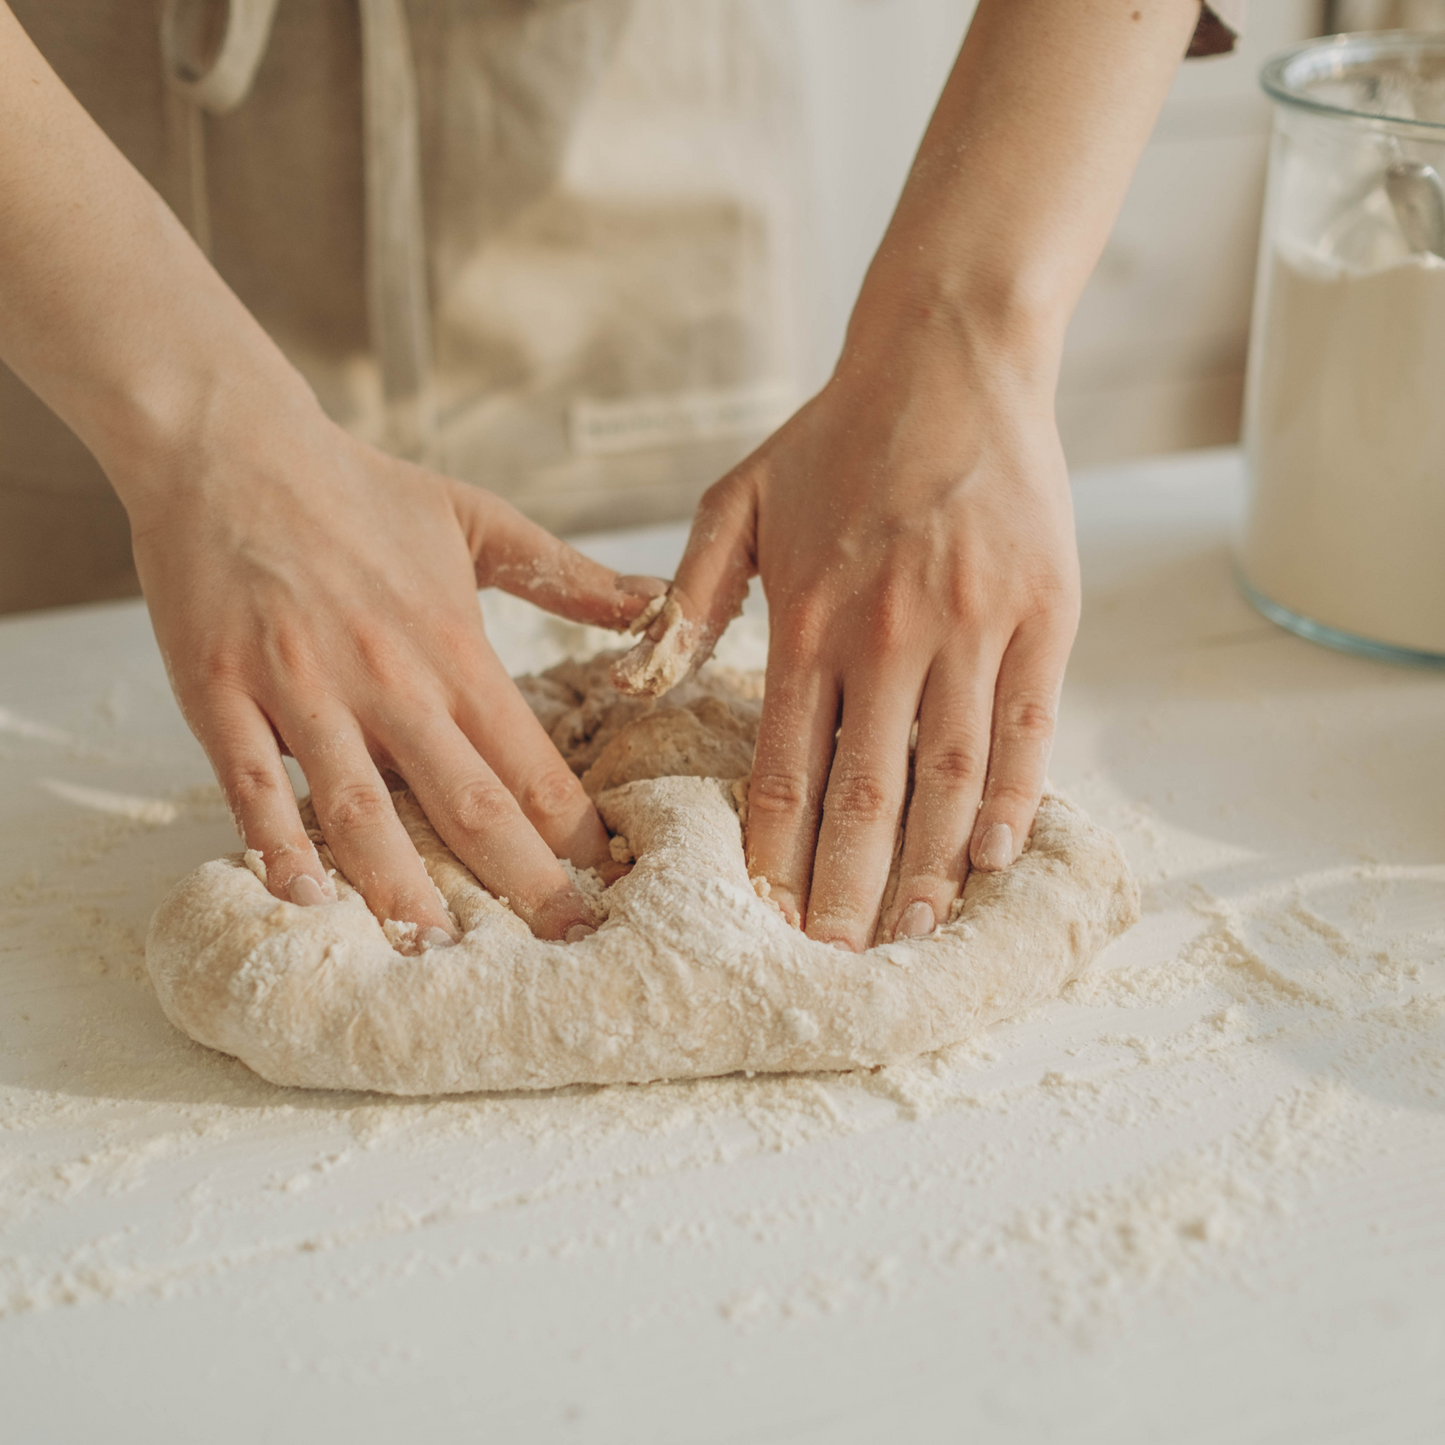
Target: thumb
[
  {"x": 712, "y": 581},
  {"x": 514, "y": 553}
]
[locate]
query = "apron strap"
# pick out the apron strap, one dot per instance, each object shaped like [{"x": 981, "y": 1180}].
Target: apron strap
[
  {"x": 398, "y": 310},
  {"x": 211, "y": 50}
]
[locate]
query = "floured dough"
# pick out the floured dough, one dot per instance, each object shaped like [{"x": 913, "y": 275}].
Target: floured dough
[
  {"x": 654, "y": 667},
  {"x": 691, "y": 972}
]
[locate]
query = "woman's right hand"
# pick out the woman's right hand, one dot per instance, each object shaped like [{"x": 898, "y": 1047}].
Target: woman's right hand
[
  {"x": 315, "y": 596},
  {"x": 310, "y": 594}
]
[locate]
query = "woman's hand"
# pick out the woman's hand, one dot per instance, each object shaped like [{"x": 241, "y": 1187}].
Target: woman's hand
[
  {"x": 913, "y": 530},
  {"x": 309, "y": 593},
  {"x": 314, "y": 595},
  {"x": 912, "y": 524}
]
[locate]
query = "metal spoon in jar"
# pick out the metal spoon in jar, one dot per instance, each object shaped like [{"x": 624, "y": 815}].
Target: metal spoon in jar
[{"x": 1418, "y": 197}]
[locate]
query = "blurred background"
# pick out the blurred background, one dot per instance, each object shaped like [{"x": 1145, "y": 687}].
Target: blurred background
[
  {"x": 1154, "y": 360},
  {"x": 1155, "y": 354}
]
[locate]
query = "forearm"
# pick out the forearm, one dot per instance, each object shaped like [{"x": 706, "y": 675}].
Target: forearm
[
  {"x": 107, "y": 308},
  {"x": 1022, "y": 170}
]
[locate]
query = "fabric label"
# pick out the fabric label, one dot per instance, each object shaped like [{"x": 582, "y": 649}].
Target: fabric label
[{"x": 600, "y": 428}]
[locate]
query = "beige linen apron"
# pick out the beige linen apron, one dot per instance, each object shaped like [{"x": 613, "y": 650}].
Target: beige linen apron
[{"x": 554, "y": 247}]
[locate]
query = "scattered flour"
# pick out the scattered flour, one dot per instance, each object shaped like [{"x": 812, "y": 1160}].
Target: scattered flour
[
  {"x": 1248, "y": 1052},
  {"x": 1255, "y": 1057}
]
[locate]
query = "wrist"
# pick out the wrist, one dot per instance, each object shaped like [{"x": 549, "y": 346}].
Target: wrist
[
  {"x": 968, "y": 312},
  {"x": 996, "y": 334},
  {"x": 166, "y": 429}
]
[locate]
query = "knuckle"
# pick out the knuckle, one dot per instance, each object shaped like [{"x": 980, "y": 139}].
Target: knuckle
[
  {"x": 455, "y": 639},
  {"x": 836, "y": 921},
  {"x": 968, "y": 597},
  {"x": 893, "y": 617},
  {"x": 778, "y": 794},
  {"x": 1053, "y": 597},
  {"x": 476, "y": 804},
  {"x": 953, "y": 766},
  {"x": 376, "y": 654},
  {"x": 1030, "y": 718},
  {"x": 221, "y": 669},
  {"x": 292, "y": 654},
  {"x": 554, "y": 793},
  {"x": 278, "y": 648},
  {"x": 932, "y": 879},
  {"x": 1010, "y": 799},
  {"x": 802, "y": 627},
  {"x": 354, "y": 808},
  {"x": 860, "y": 798},
  {"x": 1066, "y": 602},
  {"x": 252, "y": 785}
]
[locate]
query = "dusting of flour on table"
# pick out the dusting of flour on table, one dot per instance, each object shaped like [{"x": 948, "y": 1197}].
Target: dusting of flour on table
[{"x": 1217, "y": 1152}]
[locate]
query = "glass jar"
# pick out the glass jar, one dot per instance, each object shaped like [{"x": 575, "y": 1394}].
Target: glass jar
[{"x": 1344, "y": 540}]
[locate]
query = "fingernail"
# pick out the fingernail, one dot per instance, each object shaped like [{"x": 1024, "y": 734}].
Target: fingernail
[
  {"x": 996, "y": 851},
  {"x": 306, "y": 892},
  {"x": 435, "y": 938},
  {"x": 578, "y": 932},
  {"x": 838, "y": 943},
  {"x": 916, "y": 921}
]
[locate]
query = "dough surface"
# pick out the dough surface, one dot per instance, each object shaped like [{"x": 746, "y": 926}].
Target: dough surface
[{"x": 691, "y": 973}]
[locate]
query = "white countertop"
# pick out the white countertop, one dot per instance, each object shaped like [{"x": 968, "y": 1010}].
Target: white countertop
[{"x": 1201, "y": 1198}]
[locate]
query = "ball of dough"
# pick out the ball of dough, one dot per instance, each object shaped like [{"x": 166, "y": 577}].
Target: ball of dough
[{"x": 691, "y": 972}]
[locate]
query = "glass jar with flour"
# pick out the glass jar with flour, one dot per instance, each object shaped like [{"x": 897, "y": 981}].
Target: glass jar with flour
[{"x": 1344, "y": 540}]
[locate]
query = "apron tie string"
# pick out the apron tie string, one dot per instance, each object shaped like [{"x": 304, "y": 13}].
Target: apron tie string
[{"x": 211, "y": 50}]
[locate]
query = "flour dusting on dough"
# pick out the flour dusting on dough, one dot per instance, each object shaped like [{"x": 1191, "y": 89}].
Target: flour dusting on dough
[{"x": 691, "y": 973}]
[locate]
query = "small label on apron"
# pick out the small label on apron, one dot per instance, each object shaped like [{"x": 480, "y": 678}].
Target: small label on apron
[{"x": 600, "y": 428}]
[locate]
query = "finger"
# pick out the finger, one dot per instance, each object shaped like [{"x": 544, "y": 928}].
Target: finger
[
  {"x": 861, "y": 810},
  {"x": 243, "y": 749},
  {"x": 950, "y": 763},
  {"x": 1025, "y": 708},
  {"x": 514, "y": 553},
  {"x": 707, "y": 593},
  {"x": 482, "y": 823},
  {"x": 720, "y": 558},
  {"x": 501, "y": 727},
  {"x": 361, "y": 827},
  {"x": 790, "y": 771}
]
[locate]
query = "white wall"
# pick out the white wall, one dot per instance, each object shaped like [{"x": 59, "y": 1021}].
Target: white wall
[
  {"x": 872, "y": 71},
  {"x": 1155, "y": 356}
]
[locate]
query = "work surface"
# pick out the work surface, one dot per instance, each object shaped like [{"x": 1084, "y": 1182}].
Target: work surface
[{"x": 1201, "y": 1198}]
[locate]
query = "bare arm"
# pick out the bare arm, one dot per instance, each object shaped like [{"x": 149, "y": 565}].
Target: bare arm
[
  {"x": 912, "y": 523},
  {"x": 308, "y": 592}
]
